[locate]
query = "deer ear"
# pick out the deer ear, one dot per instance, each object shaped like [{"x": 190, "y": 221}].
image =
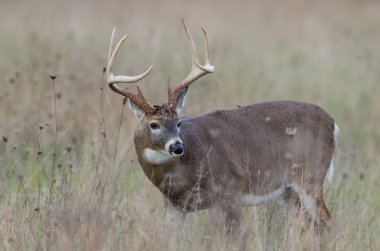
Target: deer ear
[
  {"x": 181, "y": 100},
  {"x": 137, "y": 110}
]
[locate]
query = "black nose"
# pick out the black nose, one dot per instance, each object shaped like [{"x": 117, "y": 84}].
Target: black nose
[{"x": 176, "y": 148}]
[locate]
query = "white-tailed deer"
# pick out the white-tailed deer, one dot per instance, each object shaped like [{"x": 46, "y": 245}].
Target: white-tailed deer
[{"x": 230, "y": 158}]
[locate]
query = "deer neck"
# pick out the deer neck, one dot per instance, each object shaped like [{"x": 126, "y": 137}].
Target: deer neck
[{"x": 155, "y": 164}]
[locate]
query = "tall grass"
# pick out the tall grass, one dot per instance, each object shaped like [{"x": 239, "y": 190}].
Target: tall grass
[{"x": 69, "y": 178}]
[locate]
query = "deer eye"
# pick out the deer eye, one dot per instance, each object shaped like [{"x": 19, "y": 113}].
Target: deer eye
[
  {"x": 179, "y": 124},
  {"x": 154, "y": 125}
]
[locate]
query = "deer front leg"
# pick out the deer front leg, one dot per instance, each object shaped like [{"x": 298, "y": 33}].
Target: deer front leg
[
  {"x": 174, "y": 218},
  {"x": 231, "y": 208},
  {"x": 174, "y": 224}
]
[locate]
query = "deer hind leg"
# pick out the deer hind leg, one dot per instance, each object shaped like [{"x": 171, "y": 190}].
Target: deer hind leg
[
  {"x": 323, "y": 212},
  {"x": 313, "y": 205},
  {"x": 291, "y": 201}
]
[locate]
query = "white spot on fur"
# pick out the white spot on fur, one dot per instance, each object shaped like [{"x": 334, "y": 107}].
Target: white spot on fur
[
  {"x": 251, "y": 200},
  {"x": 215, "y": 132},
  {"x": 288, "y": 155},
  {"x": 267, "y": 119},
  {"x": 156, "y": 157},
  {"x": 295, "y": 166},
  {"x": 291, "y": 131}
]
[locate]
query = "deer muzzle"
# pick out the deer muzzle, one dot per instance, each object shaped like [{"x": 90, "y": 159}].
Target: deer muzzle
[
  {"x": 176, "y": 149},
  {"x": 175, "y": 146}
]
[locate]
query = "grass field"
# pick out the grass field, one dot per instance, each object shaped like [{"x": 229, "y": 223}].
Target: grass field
[{"x": 69, "y": 177}]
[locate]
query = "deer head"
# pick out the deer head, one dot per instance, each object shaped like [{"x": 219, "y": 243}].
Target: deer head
[{"x": 159, "y": 124}]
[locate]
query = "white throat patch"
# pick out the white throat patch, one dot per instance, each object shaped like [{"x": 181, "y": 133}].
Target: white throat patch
[{"x": 155, "y": 157}]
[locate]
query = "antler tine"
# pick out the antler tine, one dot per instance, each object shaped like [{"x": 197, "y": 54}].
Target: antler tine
[
  {"x": 197, "y": 70},
  {"x": 112, "y": 79},
  {"x": 111, "y": 45},
  {"x": 208, "y": 67},
  {"x": 194, "y": 54},
  {"x": 111, "y": 60}
]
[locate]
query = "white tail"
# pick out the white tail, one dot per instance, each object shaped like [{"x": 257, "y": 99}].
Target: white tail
[{"x": 330, "y": 172}]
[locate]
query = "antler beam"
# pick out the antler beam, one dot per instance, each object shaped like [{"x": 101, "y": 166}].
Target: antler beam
[
  {"x": 112, "y": 79},
  {"x": 197, "y": 70}
]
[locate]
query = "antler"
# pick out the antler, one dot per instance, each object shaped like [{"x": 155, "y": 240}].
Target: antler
[
  {"x": 112, "y": 79},
  {"x": 197, "y": 70}
]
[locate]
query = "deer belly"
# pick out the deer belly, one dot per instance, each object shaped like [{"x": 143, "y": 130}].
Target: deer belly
[{"x": 251, "y": 200}]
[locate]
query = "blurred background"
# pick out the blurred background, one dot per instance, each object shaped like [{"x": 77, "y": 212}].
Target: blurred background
[{"x": 69, "y": 178}]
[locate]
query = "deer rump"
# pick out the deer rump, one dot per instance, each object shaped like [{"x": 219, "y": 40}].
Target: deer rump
[{"x": 248, "y": 155}]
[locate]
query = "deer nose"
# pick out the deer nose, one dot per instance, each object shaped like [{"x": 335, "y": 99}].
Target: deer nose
[{"x": 176, "y": 148}]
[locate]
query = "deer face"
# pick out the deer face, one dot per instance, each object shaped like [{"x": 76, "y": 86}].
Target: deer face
[{"x": 160, "y": 129}]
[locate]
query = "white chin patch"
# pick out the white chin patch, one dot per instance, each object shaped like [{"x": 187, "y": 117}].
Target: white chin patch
[{"x": 156, "y": 157}]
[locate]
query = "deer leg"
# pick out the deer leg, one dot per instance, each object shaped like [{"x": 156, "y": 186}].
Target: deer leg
[
  {"x": 323, "y": 212},
  {"x": 174, "y": 223},
  {"x": 307, "y": 204},
  {"x": 314, "y": 205},
  {"x": 231, "y": 209},
  {"x": 174, "y": 218},
  {"x": 269, "y": 213},
  {"x": 291, "y": 202}
]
